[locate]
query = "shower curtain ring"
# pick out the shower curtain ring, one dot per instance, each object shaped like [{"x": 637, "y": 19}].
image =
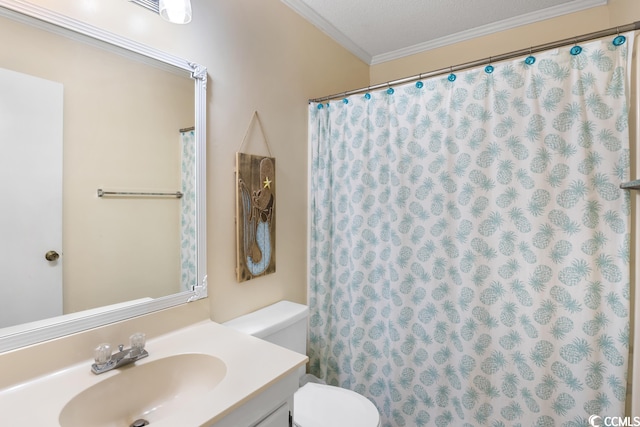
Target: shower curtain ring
[
  {"x": 619, "y": 40},
  {"x": 452, "y": 77},
  {"x": 575, "y": 50},
  {"x": 390, "y": 89},
  {"x": 489, "y": 68},
  {"x": 419, "y": 83},
  {"x": 529, "y": 60}
]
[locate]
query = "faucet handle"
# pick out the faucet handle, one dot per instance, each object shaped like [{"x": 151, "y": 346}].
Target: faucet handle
[
  {"x": 102, "y": 354},
  {"x": 138, "y": 341}
]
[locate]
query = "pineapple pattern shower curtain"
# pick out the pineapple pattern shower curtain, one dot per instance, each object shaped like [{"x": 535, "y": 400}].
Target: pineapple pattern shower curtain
[
  {"x": 188, "y": 276},
  {"x": 469, "y": 243}
]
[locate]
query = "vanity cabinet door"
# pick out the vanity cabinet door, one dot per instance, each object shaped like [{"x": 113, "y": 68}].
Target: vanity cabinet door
[{"x": 278, "y": 418}]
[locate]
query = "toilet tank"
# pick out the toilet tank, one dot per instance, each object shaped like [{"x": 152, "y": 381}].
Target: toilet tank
[{"x": 283, "y": 323}]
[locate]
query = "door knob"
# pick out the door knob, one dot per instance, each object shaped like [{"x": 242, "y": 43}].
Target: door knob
[{"x": 51, "y": 256}]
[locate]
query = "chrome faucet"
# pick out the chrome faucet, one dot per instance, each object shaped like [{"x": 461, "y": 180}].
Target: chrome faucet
[{"x": 105, "y": 361}]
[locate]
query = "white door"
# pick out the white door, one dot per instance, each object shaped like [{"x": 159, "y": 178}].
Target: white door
[{"x": 30, "y": 198}]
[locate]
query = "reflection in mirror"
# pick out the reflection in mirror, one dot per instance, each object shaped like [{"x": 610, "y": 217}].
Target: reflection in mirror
[{"x": 82, "y": 113}]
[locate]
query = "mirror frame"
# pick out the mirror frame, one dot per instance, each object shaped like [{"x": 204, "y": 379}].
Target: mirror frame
[{"x": 63, "y": 325}]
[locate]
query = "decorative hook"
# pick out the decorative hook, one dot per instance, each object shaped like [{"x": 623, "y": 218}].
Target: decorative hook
[
  {"x": 619, "y": 40},
  {"x": 390, "y": 90},
  {"x": 452, "y": 77},
  {"x": 489, "y": 68},
  {"x": 575, "y": 50},
  {"x": 530, "y": 60}
]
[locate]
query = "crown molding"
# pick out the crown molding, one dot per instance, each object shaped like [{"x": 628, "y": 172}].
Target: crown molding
[
  {"x": 326, "y": 27},
  {"x": 300, "y": 7},
  {"x": 506, "y": 24}
]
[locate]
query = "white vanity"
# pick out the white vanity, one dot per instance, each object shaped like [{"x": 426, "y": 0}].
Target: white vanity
[{"x": 203, "y": 374}]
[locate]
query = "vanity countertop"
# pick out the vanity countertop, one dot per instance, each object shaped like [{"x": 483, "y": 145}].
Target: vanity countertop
[{"x": 252, "y": 365}]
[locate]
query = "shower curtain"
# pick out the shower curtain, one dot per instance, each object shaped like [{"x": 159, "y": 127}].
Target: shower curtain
[
  {"x": 469, "y": 243},
  {"x": 188, "y": 210}
]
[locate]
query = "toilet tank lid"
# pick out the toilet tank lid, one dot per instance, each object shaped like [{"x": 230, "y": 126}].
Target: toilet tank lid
[{"x": 263, "y": 322}]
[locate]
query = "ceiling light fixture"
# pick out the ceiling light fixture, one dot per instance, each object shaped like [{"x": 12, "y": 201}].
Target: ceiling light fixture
[{"x": 175, "y": 11}]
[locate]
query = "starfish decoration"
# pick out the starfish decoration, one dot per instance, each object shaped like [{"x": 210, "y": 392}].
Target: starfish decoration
[{"x": 267, "y": 182}]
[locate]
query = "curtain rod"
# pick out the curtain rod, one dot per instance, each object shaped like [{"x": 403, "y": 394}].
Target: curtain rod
[{"x": 514, "y": 54}]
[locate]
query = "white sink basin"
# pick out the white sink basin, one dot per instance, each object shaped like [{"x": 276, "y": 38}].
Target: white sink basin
[
  {"x": 150, "y": 391},
  {"x": 202, "y": 374}
]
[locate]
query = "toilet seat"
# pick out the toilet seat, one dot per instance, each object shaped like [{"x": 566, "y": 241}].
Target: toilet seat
[{"x": 319, "y": 405}]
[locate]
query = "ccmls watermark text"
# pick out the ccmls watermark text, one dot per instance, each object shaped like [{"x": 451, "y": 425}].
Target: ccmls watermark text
[{"x": 598, "y": 421}]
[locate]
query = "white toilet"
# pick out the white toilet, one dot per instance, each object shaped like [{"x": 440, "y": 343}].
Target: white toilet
[{"x": 315, "y": 405}]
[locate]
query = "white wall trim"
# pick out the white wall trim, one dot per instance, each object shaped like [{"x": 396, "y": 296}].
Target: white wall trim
[
  {"x": 326, "y": 27},
  {"x": 551, "y": 12},
  {"x": 507, "y": 24}
]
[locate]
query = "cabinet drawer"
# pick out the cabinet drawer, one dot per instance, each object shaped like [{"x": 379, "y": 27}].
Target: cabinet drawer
[{"x": 278, "y": 418}]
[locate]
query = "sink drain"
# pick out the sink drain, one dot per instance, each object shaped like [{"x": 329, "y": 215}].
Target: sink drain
[{"x": 139, "y": 423}]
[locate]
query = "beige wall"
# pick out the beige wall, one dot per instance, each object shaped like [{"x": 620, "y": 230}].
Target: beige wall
[
  {"x": 263, "y": 57},
  {"x": 260, "y": 56},
  {"x": 616, "y": 12}
]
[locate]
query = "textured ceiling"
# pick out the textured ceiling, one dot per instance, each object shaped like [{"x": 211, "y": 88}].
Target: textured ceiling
[{"x": 382, "y": 30}]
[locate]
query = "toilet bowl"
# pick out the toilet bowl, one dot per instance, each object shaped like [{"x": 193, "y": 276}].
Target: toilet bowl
[
  {"x": 314, "y": 405},
  {"x": 319, "y": 405}
]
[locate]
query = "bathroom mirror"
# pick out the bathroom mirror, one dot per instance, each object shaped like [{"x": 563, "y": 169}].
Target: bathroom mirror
[{"x": 131, "y": 125}]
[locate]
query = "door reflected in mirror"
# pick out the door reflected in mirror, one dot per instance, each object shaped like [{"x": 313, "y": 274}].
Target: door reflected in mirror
[
  {"x": 31, "y": 134},
  {"x": 88, "y": 115}
]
